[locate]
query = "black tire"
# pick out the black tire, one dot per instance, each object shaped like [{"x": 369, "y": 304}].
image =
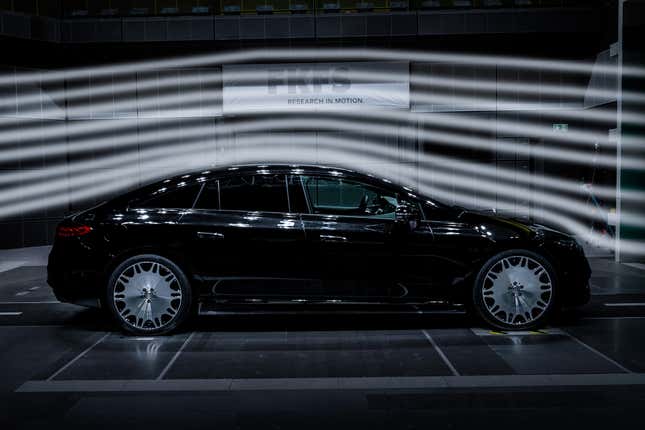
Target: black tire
[
  {"x": 181, "y": 286},
  {"x": 482, "y": 307}
]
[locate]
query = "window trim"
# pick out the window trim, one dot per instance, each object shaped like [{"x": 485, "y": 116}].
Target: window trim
[
  {"x": 219, "y": 195},
  {"x": 199, "y": 193},
  {"x": 298, "y": 177},
  {"x": 286, "y": 188},
  {"x": 304, "y": 191}
]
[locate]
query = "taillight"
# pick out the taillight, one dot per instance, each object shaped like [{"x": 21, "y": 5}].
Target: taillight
[{"x": 72, "y": 231}]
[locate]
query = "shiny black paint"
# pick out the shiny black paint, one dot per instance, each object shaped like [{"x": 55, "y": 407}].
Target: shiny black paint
[
  {"x": 351, "y": 255},
  {"x": 230, "y": 246},
  {"x": 296, "y": 257}
]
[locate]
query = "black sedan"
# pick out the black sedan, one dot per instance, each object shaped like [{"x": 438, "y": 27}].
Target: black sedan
[{"x": 302, "y": 238}]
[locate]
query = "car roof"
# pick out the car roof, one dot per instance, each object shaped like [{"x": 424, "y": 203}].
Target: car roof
[
  {"x": 264, "y": 168},
  {"x": 304, "y": 169},
  {"x": 267, "y": 168},
  {"x": 274, "y": 167}
]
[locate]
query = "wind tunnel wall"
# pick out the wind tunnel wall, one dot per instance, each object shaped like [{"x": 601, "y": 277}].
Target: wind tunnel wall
[{"x": 165, "y": 106}]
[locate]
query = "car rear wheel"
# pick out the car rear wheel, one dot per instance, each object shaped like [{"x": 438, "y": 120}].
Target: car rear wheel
[
  {"x": 149, "y": 294},
  {"x": 515, "y": 290}
]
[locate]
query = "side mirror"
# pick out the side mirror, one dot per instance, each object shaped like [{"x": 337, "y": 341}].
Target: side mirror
[{"x": 407, "y": 215}]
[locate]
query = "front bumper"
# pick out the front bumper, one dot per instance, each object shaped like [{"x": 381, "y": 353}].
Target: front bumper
[{"x": 575, "y": 280}]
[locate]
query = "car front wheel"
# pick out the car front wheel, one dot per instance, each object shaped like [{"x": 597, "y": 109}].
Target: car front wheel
[
  {"x": 515, "y": 290},
  {"x": 149, "y": 294}
]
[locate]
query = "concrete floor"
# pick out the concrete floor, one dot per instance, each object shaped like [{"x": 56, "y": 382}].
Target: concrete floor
[{"x": 63, "y": 366}]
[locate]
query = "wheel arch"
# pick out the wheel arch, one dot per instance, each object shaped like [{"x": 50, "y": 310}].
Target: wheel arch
[
  {"x": 176, "y": 308},
  {"x": 465, "y": 292},
  {"x": 535, "y": 253}
]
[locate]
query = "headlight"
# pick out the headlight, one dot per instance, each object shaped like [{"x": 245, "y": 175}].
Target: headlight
[{"x": 569, "y": 244}]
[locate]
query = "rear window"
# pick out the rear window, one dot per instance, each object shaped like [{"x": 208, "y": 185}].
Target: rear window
[
  {"x": 262, "y": 193},
  {"x": 173, "y": 197}
]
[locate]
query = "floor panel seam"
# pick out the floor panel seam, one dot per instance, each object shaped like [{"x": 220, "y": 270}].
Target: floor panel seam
[
  {"x": 441, "y": 354},
  {"x": 174, "y": 357},
  {"x": 73, "y": 360},
  {"x": 598, "y": 353}
]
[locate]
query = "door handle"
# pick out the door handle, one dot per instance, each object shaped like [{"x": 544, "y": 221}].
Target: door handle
[
  {"x": 209, "y": 235},
  {"x": 332, "y": 238}
]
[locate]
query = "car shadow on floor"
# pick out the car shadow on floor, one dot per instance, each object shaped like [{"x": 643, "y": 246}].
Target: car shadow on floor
[
  {"x": 327, "y": 322},
  {"x": 98, "y": 320}
]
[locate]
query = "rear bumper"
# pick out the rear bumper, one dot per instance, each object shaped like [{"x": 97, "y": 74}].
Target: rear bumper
[{"x": 73, "y": 285}]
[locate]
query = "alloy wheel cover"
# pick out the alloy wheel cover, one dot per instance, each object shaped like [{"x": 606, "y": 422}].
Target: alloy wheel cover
[
  {"x": 147, "y": 295},
  {"x": 517, "y": 290}
]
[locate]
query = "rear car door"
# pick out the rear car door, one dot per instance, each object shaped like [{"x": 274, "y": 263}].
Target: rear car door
[{"x": 244, "y": 238}]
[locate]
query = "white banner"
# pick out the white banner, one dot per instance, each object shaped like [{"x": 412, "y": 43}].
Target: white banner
[{"x": 315, "y": 86}]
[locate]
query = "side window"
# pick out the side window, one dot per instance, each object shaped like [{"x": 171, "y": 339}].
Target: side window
[
  {"x": 264, "y": 193},
  {"x": 175, "y": 197},
  {"x": 338, "y": 196}
]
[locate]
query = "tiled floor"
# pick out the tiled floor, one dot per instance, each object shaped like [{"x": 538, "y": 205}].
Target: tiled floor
[{"x": 63, "y": 365}]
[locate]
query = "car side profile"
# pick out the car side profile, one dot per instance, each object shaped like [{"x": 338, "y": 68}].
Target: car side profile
[{"x": 269, "y": 237}]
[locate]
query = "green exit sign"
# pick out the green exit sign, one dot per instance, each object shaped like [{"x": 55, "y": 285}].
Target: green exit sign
[{"x": 561, "y": 128}]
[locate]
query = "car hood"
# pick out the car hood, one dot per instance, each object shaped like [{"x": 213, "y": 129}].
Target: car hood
[{"x": 511, "y": 224}]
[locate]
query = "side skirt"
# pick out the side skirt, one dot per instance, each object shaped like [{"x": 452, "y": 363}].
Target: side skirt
[{"x": 210, "y": 307}]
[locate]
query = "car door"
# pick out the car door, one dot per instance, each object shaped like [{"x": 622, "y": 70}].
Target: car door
[
  {"x": 349, "y": 234},
  {"x": 416, "y": 258},
  {"x": 435, "y": 257},
  {"x": 244, "y": 238}
]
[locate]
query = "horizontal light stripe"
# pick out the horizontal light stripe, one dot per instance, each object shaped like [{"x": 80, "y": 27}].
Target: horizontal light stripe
[
  {"x": 624, "y": 304},
  {"x": 614, "y": 318},
  {"x": 541, "y": 332},
  {"x": 10, "y": 265},
  {"x": 43, "y": 302},
  {"x": 358, "y": 383},
  {"x": 640, "y": 266}
]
